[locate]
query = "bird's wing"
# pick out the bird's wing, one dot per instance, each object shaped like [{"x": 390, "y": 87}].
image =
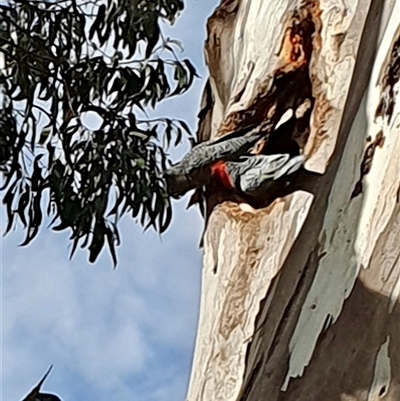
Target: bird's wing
[
  {"x": 268, "y": 167},
  {"x": 211, "y": 151},
  {"x": 231, "y": 147},
  {"x": 263, "y": 163},
  {"x": 290, "y": 167}
]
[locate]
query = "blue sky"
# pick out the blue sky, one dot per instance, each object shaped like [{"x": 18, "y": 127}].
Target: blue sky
[{"x": 125, "y": 334}]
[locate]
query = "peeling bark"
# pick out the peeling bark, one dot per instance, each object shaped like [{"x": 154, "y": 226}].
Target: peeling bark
[{"x": 300, "y": 298}]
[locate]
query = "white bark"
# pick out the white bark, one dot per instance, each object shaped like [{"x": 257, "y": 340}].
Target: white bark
[{"x": 313, "y": 279}]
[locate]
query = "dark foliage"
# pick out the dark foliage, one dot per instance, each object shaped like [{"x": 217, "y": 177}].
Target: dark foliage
[{"x": 66, "y": 58}]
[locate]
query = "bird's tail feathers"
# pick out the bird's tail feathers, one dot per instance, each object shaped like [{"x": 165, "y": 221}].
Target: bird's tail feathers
[
  {"x": 290, "y": 167},
  {"x": 262, "y": 168},
  {"x": 266, "y": 163}
]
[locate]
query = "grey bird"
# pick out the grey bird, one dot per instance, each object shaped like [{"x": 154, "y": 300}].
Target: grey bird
[
  {"x": 193, "y": 171},
  {"x": 251, "y": 172}
]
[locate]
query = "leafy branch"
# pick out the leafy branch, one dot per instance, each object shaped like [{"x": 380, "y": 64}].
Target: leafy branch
[{"x": 61, "y": 60}]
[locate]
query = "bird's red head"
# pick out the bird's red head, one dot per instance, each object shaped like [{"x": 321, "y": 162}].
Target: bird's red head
[{"x": 219, "y": 171}]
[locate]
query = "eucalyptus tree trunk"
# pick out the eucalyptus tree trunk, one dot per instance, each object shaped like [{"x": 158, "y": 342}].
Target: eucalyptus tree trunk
[{"x": 300, "y": 298}]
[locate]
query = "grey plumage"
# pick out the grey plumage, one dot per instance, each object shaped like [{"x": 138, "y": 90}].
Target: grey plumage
[
  {"x": 249, "y": 173},
  {"x": 193, "y": 170},
  {"x": 225, "y": 148}
]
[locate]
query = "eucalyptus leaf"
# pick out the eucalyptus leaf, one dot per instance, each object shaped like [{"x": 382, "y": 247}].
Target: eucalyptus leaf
[{"x": 65, "y": 59}]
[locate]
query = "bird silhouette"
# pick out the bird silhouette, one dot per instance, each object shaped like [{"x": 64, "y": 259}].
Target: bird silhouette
[{"x": 36, "y": 395}]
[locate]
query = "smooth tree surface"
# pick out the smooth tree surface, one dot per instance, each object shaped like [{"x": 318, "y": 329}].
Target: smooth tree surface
[{"x": 300, "y": 299}]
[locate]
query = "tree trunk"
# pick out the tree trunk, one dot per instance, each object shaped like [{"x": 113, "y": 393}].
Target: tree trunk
[{"x": 300, "y": 298}]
